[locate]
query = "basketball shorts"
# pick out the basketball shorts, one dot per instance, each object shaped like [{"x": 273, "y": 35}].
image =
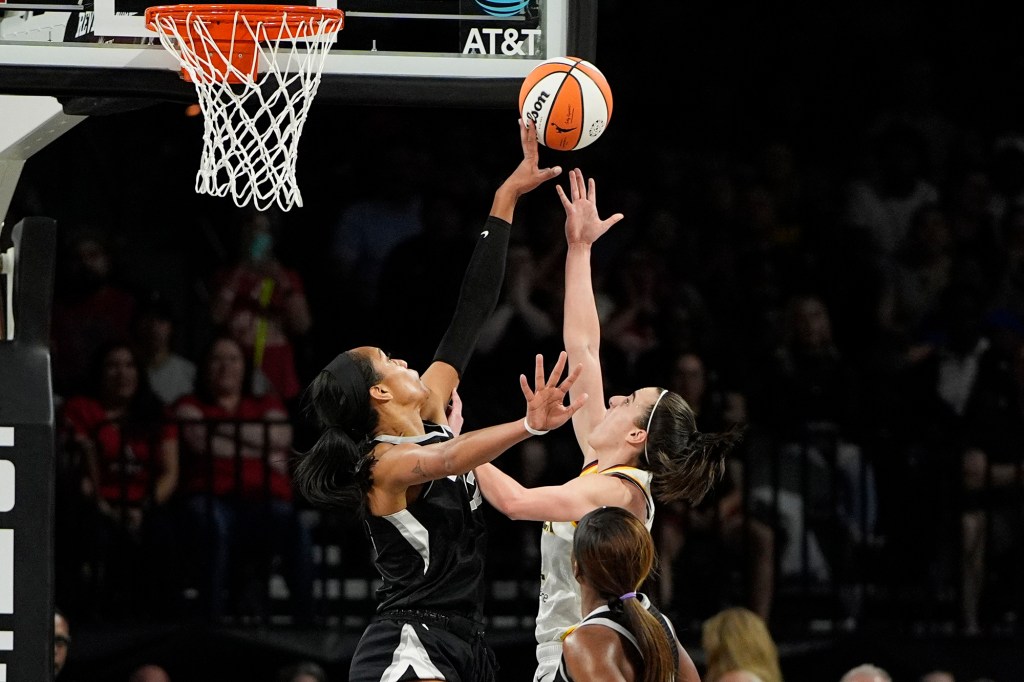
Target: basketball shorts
[{"x": 420, "y": 645}]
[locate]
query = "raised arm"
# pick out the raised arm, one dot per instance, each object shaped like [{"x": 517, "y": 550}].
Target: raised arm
[
  {"x": 481, "y": 285},
  {"x": 581, "y": 329},
  {"x": 406, "y": 465}
]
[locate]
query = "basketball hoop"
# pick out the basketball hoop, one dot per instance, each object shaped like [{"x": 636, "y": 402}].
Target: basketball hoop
[{"x": 256, "y": 69}]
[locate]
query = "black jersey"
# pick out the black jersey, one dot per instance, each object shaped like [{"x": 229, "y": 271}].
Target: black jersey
[
  {"x": 431, "y": 554},
  {"x": 616, "y": 620}
]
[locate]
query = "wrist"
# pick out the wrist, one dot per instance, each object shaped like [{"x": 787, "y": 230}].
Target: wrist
[
  {"x": 580, "y": 246},
  {"x": 531, "y": 430},
  {"x": 504, "y": 204}
]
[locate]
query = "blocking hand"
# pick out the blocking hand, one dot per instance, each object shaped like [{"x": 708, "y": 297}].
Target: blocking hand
[
  {"x": 583, "y": 225},
  {"x": 528, "y": 174},
  {"x": 545, "y": 408}
]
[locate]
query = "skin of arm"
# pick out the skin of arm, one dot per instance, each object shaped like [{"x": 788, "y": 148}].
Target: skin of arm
[
  {"x": 441, "y": 378},
  {"x": 567, "y": 502},
  {"x": 275, "y": 428},
  {"x": 403, "y": 466},
  {"x": 167, "y": 471},
  {"x": 222, "y": 442},
  {"x": 93, "y": 475},
  {"x": 229, "y": 435},
  {"x": 595, "y": 653},
  {"x": 454, "y": 414},
  {"x": 581, "y": 329},
  {"x": 687, "y": 669}
]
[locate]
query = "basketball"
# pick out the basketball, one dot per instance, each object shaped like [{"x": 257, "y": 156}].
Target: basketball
[{"x": 569, "y": 100}]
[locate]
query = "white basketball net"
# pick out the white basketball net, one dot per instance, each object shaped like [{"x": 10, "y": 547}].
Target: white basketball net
[{"x": 251, "y": 129}]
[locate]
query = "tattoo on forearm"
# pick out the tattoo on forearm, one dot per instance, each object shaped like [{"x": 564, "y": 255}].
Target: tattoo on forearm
[{"x": 418, "y": 470}]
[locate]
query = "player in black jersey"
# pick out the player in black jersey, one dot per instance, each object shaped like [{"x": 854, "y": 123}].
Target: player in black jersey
[
  {"x": 622, "y": 636},
  {"x": 388, "y": 454}
]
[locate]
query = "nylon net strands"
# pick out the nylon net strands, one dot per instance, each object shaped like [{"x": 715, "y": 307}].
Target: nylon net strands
[{"x": 256, "y": 70}]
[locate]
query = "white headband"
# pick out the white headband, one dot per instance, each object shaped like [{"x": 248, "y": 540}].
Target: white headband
[{"x": 649, "y": 420}]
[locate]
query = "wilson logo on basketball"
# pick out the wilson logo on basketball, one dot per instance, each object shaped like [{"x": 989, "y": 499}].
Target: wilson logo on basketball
[
  {"x": 502, "y": 8},
  {"x": 569, "y": 101},
  {"x": 538, "y": 106}
]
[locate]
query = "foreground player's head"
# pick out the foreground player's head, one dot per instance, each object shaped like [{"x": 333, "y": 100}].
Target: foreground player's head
[
  {"x": 613, "y": 554},
  {"x": 612, "y": 551},
  {"x": 349, "y": 399},
  {"x": 358, "y": 386},
  {"x": 659, "y": 429}
]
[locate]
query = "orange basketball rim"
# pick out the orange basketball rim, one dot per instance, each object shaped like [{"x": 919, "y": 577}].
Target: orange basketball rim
[{"x": 236, "y": 30}]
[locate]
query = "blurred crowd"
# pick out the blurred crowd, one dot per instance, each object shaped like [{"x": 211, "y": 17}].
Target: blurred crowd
[
  {"x": 852, "y": 292},
  {"x": 867, "y": 327}
]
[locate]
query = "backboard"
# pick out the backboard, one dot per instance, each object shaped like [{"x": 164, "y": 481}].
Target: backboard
[{"x": 434, "y": 52}]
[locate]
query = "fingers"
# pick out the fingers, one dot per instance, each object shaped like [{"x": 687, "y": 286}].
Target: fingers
[
  {"x": 556, "y": 371},
  {"x": 525, "y": 385},
  {"x": 538, "y": 371},
  {"x": 576, "y": 183},
  {"x": 566, "y": 204},
  {"x": 576, "y": 404},
  {"x": 571, "y": 379},
  {"x": 528, "y": 139},
  {"x": 611, "y": 220}
]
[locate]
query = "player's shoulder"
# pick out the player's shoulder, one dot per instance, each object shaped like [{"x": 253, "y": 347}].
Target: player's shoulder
[{"x": 587, "y": 639}]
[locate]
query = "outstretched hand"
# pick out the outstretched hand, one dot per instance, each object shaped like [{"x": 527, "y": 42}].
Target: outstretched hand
[
  {"x": 583, "y": 225},
  {"x": 528, "y": 175},
  {"x": 454, "y": 413},
  {"x": 545, "y": 408}
]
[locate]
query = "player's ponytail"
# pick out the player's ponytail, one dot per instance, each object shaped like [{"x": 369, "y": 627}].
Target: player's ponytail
[
  {"x": 685, "y": 462},
  {"x": 652, "y": 640},
  {"x": 614, "y": 554},
  {"x": 336, "y": 472}
]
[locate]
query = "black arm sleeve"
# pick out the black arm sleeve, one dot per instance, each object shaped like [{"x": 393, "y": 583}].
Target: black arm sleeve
[{"x": 481, "y": 287}]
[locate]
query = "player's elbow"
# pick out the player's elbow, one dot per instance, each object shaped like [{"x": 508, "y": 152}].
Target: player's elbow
[
  {"x": 506, "y": 502},
  {"x": 517, "y": 514},
  {"x": 578, "y": 346},
  {"x": 519, "y": 507}
]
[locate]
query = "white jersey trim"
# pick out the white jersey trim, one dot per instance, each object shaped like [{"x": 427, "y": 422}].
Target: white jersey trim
[
  {"x": 414, "y": 532},
  {"x": 418, "y": 438}
]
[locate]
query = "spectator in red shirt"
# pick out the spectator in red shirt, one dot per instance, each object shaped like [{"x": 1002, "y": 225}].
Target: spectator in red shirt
[
  {"x": 263, "y": 305},
  {"x": 235, "y": 478},
  {"x": 90, "y": 309},
  {"x": 129, "y": 466}
]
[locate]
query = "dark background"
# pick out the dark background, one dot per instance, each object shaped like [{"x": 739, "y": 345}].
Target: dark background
[{"x": 692, "y": 81}]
